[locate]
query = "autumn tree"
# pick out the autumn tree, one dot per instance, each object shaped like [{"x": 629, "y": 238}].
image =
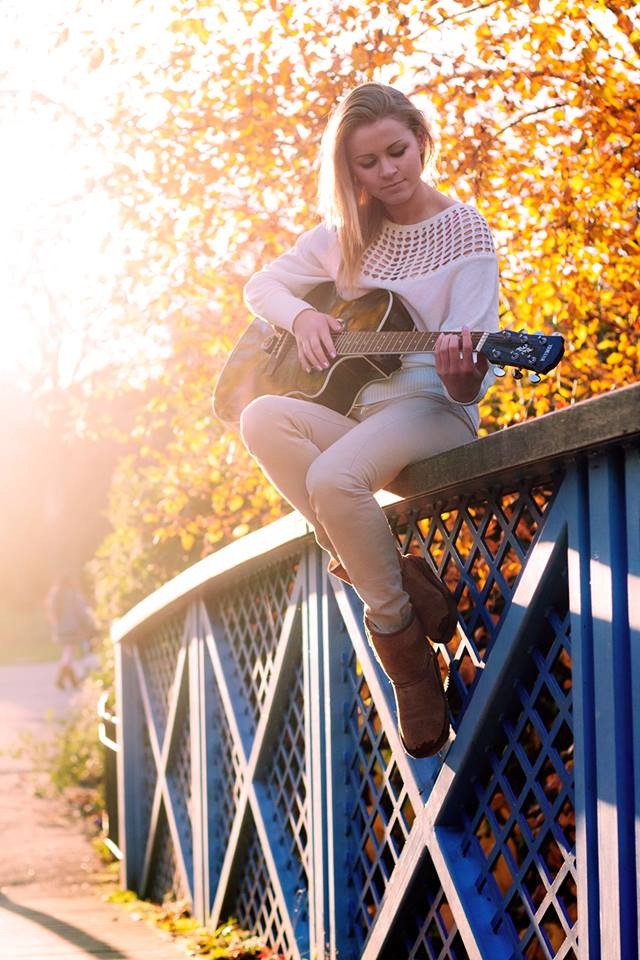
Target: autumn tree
[
  {"x": 545, "y": 119},
  {"x": 214, "y": 142}
]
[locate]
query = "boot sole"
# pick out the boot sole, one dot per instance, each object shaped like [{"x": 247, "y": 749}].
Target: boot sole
[{"x": 421, "y": 753}]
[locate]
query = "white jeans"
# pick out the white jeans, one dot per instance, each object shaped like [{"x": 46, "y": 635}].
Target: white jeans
[{"x": 329, "y": 467}]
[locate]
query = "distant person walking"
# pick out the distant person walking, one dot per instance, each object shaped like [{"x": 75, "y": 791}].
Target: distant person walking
[{"x": 72, "y": 626}]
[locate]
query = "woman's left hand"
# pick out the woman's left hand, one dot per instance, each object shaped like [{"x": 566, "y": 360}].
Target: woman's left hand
[{"x": 459, "y": 370}]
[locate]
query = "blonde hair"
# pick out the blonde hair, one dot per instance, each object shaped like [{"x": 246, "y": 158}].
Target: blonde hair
[{"x": 356, "y": 216}]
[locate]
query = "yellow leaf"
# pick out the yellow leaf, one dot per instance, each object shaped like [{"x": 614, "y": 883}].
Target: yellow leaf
[{"x": 187, "y": 540}]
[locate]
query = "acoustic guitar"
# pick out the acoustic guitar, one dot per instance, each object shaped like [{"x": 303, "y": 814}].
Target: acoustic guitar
[{"x": 377, "y": 332}]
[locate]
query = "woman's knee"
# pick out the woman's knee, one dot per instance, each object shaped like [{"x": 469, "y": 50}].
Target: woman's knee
[
  {"x": 327, "y": 486},
  {"x": 257, "y": 418}
]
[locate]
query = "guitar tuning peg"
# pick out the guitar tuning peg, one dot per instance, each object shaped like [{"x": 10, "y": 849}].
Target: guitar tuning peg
[
  {"x": 517, "y": 374},
  {"x": 534, "y": 377},
  {"x": 499, "y": 371}
]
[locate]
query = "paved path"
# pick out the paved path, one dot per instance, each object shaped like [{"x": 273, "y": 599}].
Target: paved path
[{"x": 52, "y": 884}]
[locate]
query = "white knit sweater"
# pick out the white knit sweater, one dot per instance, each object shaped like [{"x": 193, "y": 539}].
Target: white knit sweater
[{"x": 444, "y": 269}]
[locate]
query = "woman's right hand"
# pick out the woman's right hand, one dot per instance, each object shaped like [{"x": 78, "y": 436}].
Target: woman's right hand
[{"x": 314, "y": 335}]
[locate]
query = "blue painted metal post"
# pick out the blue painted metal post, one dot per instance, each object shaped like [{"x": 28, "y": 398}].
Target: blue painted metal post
[
  {"x": 586, "y": 807},
  {"x": 632, "y": 505},
  {"x": 613, "y": 729},
  {"x": 198, "y": 726},
  {"x": 338, "y": 876},
  {"x": 131, "y": 799},
  {"x": 313, "y": 638}
]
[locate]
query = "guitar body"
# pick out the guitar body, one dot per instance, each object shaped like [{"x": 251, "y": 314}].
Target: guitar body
[{"x": 266, "y": 362}]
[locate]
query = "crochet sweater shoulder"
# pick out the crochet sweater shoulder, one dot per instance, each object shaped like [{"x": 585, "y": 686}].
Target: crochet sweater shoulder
[{"x": 407, "y": 251}]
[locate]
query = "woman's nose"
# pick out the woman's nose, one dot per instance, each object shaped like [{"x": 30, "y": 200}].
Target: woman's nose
[{"x": 387, "y": 167}]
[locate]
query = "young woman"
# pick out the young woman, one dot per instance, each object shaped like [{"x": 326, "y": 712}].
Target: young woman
[{"x": 385, "y": 226}]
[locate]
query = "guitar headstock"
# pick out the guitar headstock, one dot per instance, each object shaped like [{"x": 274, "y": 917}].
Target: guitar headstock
[{"x": 525, "y": 351}]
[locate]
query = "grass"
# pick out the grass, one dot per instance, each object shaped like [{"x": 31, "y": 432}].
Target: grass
[
  {"x": 228, "y": 942},
  {"x": 25, "y": 637},
  {"x": 66, "y": 757}
]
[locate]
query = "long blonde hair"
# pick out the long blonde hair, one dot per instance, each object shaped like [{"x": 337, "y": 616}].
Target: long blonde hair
[{"x": 345, "y": 205}]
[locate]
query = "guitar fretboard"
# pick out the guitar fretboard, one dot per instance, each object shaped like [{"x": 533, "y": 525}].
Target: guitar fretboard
[{"x": 368, "y": 342}]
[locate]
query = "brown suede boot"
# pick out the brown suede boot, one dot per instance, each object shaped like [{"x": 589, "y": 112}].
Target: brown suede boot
[
  {"x": 432, "y": 601},
  {"x": 421, "y": 704}
]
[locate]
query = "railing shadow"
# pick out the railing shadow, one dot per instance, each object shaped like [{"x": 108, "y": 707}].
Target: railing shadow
[{"x": 67, "y": 932}]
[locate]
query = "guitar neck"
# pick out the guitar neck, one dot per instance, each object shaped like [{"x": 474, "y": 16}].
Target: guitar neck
[{"x": 369, "y": 342}]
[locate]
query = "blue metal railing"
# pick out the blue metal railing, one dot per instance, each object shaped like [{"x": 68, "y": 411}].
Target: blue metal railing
[{"x": 260, "y": 770}]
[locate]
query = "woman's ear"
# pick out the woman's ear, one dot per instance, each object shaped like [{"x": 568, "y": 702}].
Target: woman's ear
[{"x": 421, "y": 138}]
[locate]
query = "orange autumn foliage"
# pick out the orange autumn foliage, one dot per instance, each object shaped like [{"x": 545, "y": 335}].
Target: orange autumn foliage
[{"x": 215, "y": 142}]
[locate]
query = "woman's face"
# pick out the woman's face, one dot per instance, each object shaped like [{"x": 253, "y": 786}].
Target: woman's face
[{"x": 384, "y": 156}]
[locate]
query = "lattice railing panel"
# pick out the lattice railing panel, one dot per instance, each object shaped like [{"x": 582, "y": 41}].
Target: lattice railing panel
[
  {"x": 287, "y": 782},
  {"x": 165, "y": 758},
  {"x": 148, "y": 775},
  {"x": 225, "y": 782},
  {"x": 379, "y": 811},
  {"x": 425, "y": 928},
  {"x": 179, "y": 781},
  {"x": 252, "y": 615},
  {"x": 158, "y": 655},
  {"x": 479, "y": 548},
  {"x": 521, "y": 821},
  {"x": 257, "y": 904},
  {"x": 166, "y": 880}
]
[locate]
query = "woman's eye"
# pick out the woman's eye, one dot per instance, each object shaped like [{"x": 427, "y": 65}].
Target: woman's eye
[{"x": 369, "y": 164}]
